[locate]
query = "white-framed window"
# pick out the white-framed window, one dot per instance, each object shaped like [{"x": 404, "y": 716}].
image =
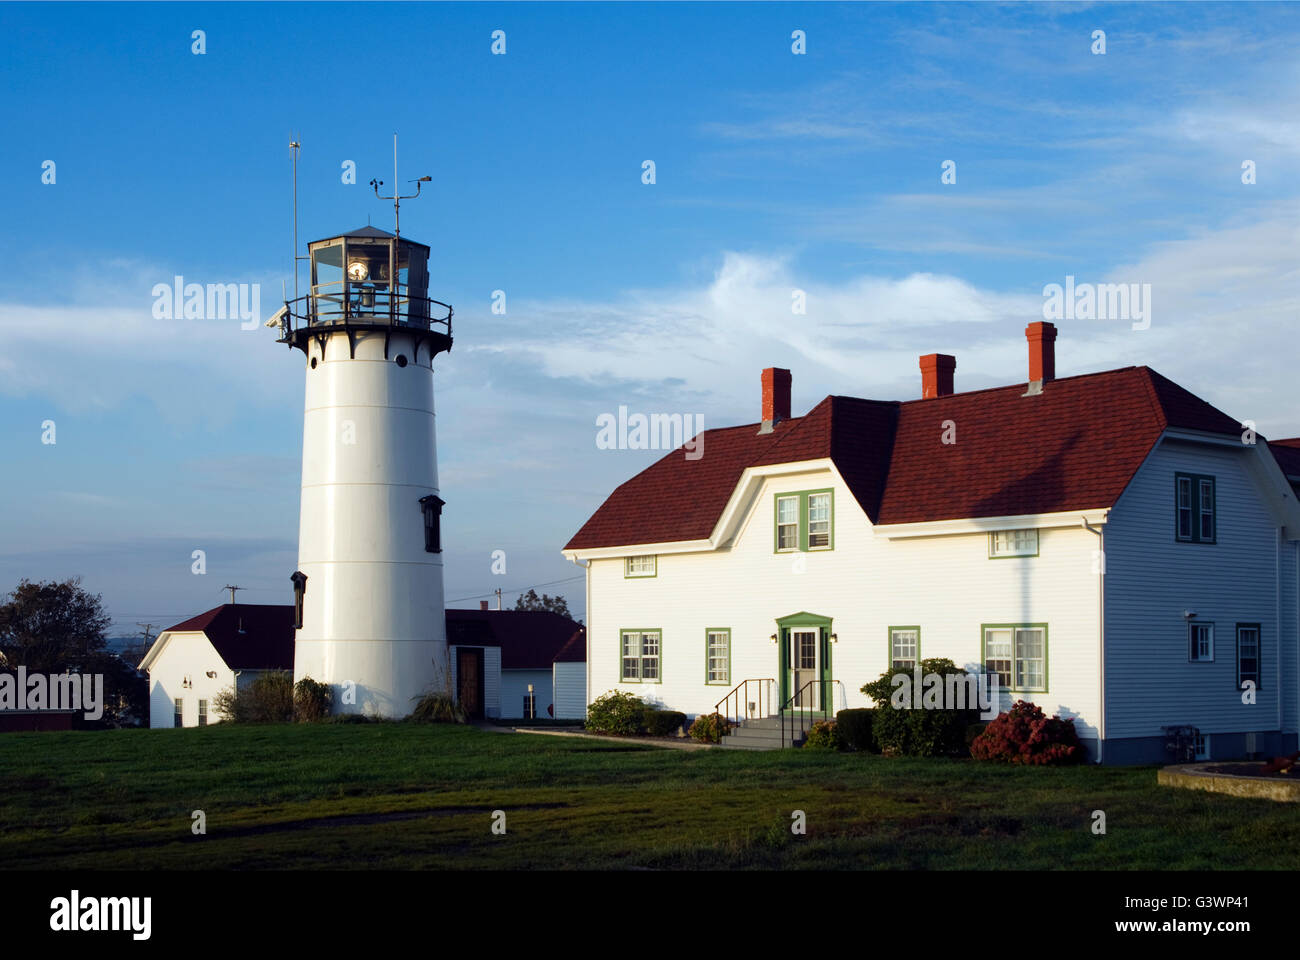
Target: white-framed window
[
  {"x": 1013, "y": 543},
  {"x": 1201, "y": 746},
  {"x": 787, "y": 523},
  {"x": 1184, "y": 505},
  {"x": 1248, "y": 654},
  {"x": 640, "y": 566},
  {"x": 178, "y": 717},
  {"x": 1206, "y": 516},
  {"x": 1018, "y": 655},
  {"x": 1200, "y": 641},
  {"x": 203, "y": 713},
  {"x": 904, "y": 647},
  {"x": 1194, "y": 508},
  {"x": 719, "y": 656},
  {"x": 819, "y": 521},
  {"x": 641, "y": 656}
]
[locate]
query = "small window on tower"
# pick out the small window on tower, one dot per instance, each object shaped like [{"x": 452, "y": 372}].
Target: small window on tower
[
  {"x": 432, "y": 507},
  {"x": 299, "y": 588}
]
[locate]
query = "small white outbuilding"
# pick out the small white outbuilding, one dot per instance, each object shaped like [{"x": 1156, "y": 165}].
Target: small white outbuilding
[{"x": 228, "y": 646}]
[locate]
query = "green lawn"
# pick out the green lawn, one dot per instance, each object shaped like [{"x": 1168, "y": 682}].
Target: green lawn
[{"x": 414, "y": 796}]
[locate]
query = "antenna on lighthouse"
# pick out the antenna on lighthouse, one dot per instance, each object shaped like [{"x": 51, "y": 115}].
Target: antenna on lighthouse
[
  {"x": 295, "y": 146},
  {"x": 397, "y": 201}
]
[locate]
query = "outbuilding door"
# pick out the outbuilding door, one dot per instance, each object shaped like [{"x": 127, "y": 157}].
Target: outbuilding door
[{"x": 469, "y": 680}]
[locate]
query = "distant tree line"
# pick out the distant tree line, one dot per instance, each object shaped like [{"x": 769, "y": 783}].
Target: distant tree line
[{"x": 54, "y": 627}]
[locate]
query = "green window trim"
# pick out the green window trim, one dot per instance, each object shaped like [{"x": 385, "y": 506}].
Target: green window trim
[
  {"x": 1259, "y": 654},
  {"x": 889, "y": 656},
  {"x": 802, "y": 519},
  {"x": 1195, "y": 482},
  {"x": 1013, "y": 687},
  {"x": 641, "y": 657},
  {"x": 708, "y": 631},
  {"x": 627, "y": 567}
]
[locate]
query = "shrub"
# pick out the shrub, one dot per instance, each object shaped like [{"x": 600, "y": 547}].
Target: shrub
[
  {"x": 352, "y": 718},
  {"x": 973, "y": 730},
  {"x": 268, "y": 699},
  {"x": 854, "y": 728},
  {"x": 1025, "y": 735},
  {"x": 438, "y": 708},
  {"x": 924, "y": 732},
  {"x": 617, "y": 713},
  {"x": 311, "y": 700},
  {"x": 662, "y": 723},
  {"x": 710, "y": 728},
  {"x": 824, "y": 735}
]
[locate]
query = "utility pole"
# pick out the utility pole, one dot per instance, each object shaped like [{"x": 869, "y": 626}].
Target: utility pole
[
  {"x": 498, "y": 598},
  {"x": 147, "y": 627},
  {"x": 232, "y": 591}
]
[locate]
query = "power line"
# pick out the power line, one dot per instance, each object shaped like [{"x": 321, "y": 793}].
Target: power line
[{"x": 493, "y": 593}]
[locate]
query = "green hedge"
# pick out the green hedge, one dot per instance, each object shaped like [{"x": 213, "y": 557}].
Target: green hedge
[
  {"x": 616, "y": 712},
  {"x": 900, "y": 731},
  {"x": 855, "y": 730},
  {"x": 824, "y": 735},
  {"x": 311, "y": 700},
  {"x": 709, "y": 727},
  {"x": 662, "y": 723}
]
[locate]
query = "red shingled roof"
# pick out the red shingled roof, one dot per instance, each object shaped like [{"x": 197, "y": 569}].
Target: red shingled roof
[
  {"x": 1074, "y": 446},
  {"x": 575, "y": 651},
  {"x": 529, "y": 639},
  {"x": 1287, "y": 454},
  {"x": 247, "y": 636}
]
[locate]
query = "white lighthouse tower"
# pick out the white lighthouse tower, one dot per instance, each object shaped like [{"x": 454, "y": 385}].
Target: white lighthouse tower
[{"x": 368, "y": 590}]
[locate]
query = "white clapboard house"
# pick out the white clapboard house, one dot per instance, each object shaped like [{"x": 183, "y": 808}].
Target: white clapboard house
[
  {"x": 1114, "y": 548},
  {"x": 496, "y": 656}
]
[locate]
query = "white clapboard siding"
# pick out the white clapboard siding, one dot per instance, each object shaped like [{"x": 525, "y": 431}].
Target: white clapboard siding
[
  {"x": 947, "y": 585},
  {"x": 570, "y": 691},
  {"x": 514, "y": 687},
  {"x": 186, "y": 654},
  {"x": 1152, "y": 580}
]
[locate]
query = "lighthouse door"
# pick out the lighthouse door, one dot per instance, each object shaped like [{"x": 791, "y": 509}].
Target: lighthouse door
[{"x": 469, "y": 680}]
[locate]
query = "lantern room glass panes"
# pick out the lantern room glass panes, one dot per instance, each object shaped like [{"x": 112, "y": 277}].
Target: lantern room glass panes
[
  {"x": 369, "y": 279},
  {"x": 327, "y": 281}
]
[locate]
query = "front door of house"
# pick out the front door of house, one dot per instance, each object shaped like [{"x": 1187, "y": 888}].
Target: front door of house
[
  {"x": 469, "y": 680},
  {"x": 804, "y": 658}
]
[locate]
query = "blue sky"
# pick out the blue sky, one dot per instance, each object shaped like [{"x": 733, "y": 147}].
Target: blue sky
[{"x": 774, "y": 172}]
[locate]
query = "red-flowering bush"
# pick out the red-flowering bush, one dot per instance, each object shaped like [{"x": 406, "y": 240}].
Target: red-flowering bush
[{"x": 1025, "y": 735}]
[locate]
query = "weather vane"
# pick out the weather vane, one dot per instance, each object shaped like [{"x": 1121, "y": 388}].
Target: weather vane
[{"x": 397, "y": 201}]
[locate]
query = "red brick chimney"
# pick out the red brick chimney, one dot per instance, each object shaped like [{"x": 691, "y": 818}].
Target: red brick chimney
[
  {"x": 482, "y": 604},
  {"x": 776, "y": 398},
  {"x": 936, "y": 375},
  {"x": 1042, "y": 351}
]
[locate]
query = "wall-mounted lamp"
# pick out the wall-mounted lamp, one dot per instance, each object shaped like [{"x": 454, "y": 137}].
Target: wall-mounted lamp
[
  {"x": 774, "y": 638},
  {"x": 835, "y": 638}
]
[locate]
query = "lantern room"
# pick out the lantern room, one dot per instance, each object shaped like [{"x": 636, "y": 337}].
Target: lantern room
[{"x": 367, "y": 279}]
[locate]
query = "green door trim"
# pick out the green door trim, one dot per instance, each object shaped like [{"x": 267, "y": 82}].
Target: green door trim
[{"x": 804, "y": 619}]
